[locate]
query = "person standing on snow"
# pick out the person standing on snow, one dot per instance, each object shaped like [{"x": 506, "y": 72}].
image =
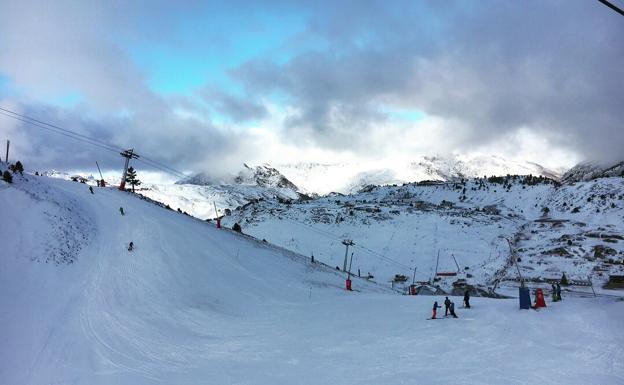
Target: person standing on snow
[
  {"x": 91, "y": 189},
  {"x": 447, "y": 303},
  {"x": 121, "y": 211},
  {"x": 435, "y": 309},
  {"x": 131, "y": 246},
  {"x": 452, "y": 310},
  {"x": 467, "y": 299},
  {"x": 554, "y": 292},
  {"x": 558, "y": 292}
]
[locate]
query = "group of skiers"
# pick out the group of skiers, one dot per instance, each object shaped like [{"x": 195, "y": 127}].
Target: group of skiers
[{"x": 449, "y": 306}]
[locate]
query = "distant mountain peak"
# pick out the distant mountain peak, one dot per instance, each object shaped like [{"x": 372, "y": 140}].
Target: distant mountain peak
[{"x": 263, "y": 175}]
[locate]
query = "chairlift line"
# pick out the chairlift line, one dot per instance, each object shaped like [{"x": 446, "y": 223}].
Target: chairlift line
[
  {"x": 105, "y": 147},
  {"x": 86, "y": 139},
  {"x": 366, "y": 249},
  {"x": 55, "y": 128},
  {"x": 612, "y": 6}
]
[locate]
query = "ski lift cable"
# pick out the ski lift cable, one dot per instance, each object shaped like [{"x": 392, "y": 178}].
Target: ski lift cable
[
  {"x": 105, "y": 147},
  {"x": 55, "y": 128},
  {"x": 161, "y": 168},
  {"x": 612, "y": 6},
  {"x": 366, "y": 249},
  {"x": 86, "y": 139}
]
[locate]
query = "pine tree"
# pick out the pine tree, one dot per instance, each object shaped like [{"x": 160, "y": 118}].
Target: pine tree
[
  {"x": 7, "y": 177},
  {"x": 131, "y": 178},
  {"x": 18, "y": 168}
]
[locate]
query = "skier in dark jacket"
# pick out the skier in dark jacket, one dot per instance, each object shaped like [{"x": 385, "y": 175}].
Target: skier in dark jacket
[
  {"x": 435, "y": 309},
  {"x": 121, "y": 210},
  {"x": 131, "y": 246},
  {"x": 467, "y": 299},
  {"x": 447, "y": 303},
  {"x": 554, "y": 292},
  {"x": 558, "y": 292},
  {"x": 452, "y": 310},
  {"x": 91, "y": 189}
]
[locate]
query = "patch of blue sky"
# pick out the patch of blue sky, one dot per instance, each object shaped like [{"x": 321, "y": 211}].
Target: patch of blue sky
[
  {"x": 66, "y": 99},
  {"x": 204, "y": 48},
  {"x": 5, "y": 85},
  {"x": 62, "y": 99},
  {"x": 406, "y": 115}
]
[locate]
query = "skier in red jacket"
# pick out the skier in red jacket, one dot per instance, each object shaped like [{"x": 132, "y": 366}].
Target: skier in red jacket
[{"x": 435, "y": 309}]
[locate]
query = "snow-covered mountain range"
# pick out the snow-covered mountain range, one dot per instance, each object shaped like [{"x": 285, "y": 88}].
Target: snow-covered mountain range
[
  {"x": 198, "y": 194},
  {"x": 261, "y": 176},
  {"x": 589, "y": 171},
  {"x": 351, "y": 177}
]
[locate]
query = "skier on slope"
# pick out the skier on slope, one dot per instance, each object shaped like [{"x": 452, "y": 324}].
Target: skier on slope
[
  {"x": 131, "y": 246},
  {"x": 558, "y": 292},
  {"x": 452, "y": 310},
  {"x": 435, "y": 309},
  {"x": 121, "y": 211},
  {"x": 91, "y": 189},
  {"x": 467, "y": 299},
  {"x": 447, "y": 303}
]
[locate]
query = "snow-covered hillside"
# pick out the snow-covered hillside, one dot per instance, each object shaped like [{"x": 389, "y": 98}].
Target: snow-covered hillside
[
  {"x": 590, "y": 170},
  {"x": 199, "y": 201},
  {"x": 78, "y": 307},
  {"x": 192, "y": 304},
  {"x": 199, "y": 194},
  {"x": 476, "y": 224}
]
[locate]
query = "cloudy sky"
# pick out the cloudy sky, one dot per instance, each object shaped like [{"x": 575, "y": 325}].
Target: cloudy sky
[{"x": 210, "y": 85}]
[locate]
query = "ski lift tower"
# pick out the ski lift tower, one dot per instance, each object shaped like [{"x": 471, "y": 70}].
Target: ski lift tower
[
  {"x": 523, "y": 292},
  {"x": 128, "y": 154},
  {"x": 347, "y": 243}
]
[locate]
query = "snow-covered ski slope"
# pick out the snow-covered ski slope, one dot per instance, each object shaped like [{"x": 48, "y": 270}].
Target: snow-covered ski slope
[
  {"x": 75, "y": 303},
  {"x": 196, "y": 305},
  {"x": 399, "y": 228}
]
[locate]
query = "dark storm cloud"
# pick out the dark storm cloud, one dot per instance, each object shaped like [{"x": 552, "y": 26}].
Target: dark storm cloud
[
  {"x": 237, "y": 108},
  {"x": 180, "y": 142},
  {"x": 492, "y": 67},
  {"x": 484, "y": 69}
]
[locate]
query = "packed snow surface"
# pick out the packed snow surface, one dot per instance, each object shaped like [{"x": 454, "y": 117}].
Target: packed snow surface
[{"x": 192, "y": 304}]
